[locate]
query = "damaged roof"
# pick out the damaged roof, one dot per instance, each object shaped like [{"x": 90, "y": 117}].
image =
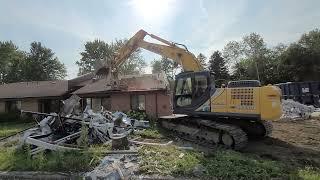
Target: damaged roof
[
  {"x": 33, "y": 89},
  {"x": 145, "y": 82}
]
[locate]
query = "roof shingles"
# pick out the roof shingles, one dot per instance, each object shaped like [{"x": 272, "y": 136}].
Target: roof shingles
[{"x": 33, "y": 89}]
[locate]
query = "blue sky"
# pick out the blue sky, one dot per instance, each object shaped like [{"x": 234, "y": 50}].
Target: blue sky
[{"x": 202, "y": 25}]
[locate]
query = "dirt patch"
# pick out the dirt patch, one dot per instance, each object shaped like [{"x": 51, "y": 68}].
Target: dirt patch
[{"x": 295, "y": 143}]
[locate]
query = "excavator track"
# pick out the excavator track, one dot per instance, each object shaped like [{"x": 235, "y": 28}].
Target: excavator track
[
  {"x": 207, "y": 132},
  {"x": 268, "y": 127}
]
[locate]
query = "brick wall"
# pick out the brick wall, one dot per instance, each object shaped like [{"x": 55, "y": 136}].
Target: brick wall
[
  {"x": 30, "y": 105},
  {"x": 164, "y": 104},
  {"x": 151, "y": 108},
  {"x": 2, "y": 106},
  {"x": 120, "y": 102}
]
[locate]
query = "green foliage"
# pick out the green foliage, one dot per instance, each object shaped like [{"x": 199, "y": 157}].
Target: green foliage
[
  {"x": 166, "y": 161},
  {"x": 169, "y": 67},
  {"x": 11, "y": 59},
  {"x": 229, "y": 164},
  {"x": 14, "y": 117},
  {"x": 300, "y": 61},
  {"x": 41, "y": 64},
  {"x": 217, "y": 66},
  {"x": 98, "y": 51},
  {"x": 150, "y": 134},
  {"x": 140, "y": 115},
  {"x": 20, "y": 160},
  {"x": 10, "y": 128},
  {"x": 222, "y": 164},
  {"x": 156, "y": 66},
  {"x": 202, "y": 59},
  {"x": 38, "y": 65},
  {"x": 309, "y": 173}
]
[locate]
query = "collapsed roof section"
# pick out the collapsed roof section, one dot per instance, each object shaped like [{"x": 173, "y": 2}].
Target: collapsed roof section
[{"x": 145, "y": 82}]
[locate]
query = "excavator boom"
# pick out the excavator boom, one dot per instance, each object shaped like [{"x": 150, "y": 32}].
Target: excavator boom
[{"x": 169, "y": 49}]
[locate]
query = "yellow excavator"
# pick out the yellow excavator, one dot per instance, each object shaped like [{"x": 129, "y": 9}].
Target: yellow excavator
[{"x": 203, "y": 113}]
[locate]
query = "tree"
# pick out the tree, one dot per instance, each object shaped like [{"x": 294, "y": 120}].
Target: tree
[
  {"x": 300, "y": 61},
  {"x": 217, "y": 66},
  {"x": 166, "y": 65},
  {"x": 42, "y": 65},
  {"x": 10, "y": 59},
  {"x": 100, "y": 51},
  {"x": 96, "y": 50},
  {"x": 156, "y": 66},
  {"x": 251, "y": 54},
  {"x": 202, "y": 59}
]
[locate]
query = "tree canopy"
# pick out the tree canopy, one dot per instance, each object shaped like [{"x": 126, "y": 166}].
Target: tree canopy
[
  {"x": 39, "y": 64},
  {"x": 98, "y": 51},
  {"x": 251, "y": 58},
  {"x": 218, "y": 67},
  {"x": 166, "y": 65}
]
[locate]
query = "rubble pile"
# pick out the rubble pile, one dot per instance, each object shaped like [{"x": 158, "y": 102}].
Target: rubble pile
[
  {"x": 294, "y": 110},
  {"x": 63, "y": 131},
  {"x": 116, "y": 166}
]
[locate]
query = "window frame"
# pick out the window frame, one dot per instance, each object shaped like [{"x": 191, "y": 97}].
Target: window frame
[{"x": 131, "y": 102}]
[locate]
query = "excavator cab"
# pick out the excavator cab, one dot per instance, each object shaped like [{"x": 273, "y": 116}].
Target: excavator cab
[{"x": 192, "y": 89}]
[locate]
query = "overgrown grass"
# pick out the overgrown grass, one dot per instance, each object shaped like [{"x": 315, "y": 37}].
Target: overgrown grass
[
  {"x": 223, "y": 164},
  {"x": 227, "y": 164},
  {"x": 150, "y": 134},
  {"x": 9, "y": 128},
  {"x": 309, "y": 173},
  {"x": 21, "y": 160}
]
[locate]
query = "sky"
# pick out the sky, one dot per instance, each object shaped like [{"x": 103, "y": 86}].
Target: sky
[{"x": 202, "y": 25}]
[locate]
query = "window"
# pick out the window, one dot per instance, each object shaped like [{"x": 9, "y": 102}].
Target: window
[
  {"x": 13, "y": 106},
  {"x": 184, "y": 91},
  {"x": 88, "y": 102},
  {"x": 96, "y": 104},
  {"x": 138, "y": 102},
  {"x": 201, "y": 85}
]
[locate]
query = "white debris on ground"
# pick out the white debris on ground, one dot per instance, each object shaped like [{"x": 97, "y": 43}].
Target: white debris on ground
[
  {"x": 116, "y": 166},
  {"x": 295, "y": 110}
]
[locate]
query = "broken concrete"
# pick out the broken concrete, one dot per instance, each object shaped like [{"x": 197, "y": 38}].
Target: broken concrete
[{"x": 295, "y": 110}]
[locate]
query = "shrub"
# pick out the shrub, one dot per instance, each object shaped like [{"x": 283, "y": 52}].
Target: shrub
[
  {"x": 140, "y": 115},
  {"x": 14, "y": 117}
]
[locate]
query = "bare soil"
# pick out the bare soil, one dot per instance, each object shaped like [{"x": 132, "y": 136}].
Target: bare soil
[{"x": 295, "y": 143}]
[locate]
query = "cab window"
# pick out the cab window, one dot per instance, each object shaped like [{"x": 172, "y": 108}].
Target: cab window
[
  {"x": 200, "y": 84},
  {"x": 184, "y": 91}
]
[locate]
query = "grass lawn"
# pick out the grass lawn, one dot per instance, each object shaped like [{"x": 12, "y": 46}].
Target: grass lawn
[
  {"x": 169, "y": 160},
  {"x": 9, "y": 128}
]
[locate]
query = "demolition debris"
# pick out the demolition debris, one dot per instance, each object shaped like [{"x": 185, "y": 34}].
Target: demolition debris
[
  {"x": 63, "y": 131},
  {"x": 295, "y": 110}
]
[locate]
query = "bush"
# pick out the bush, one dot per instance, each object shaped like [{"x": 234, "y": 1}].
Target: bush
[
  {"x": 140, "y": 115},
  {"x": 14, "y": 117}
]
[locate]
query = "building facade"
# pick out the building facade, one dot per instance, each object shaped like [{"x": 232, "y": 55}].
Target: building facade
[{"x": 146, "y": 93}]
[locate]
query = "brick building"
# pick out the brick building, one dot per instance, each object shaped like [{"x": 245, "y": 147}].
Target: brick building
[
  {"x": 146, "y": 93},
  {"x": 143, "y": 92}
]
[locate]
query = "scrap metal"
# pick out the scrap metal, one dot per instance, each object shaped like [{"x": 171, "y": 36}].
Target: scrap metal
[{"x": 60, "y": 132}]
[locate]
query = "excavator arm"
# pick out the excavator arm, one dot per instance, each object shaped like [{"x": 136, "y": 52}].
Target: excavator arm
[{"x": 170, "y": 50}]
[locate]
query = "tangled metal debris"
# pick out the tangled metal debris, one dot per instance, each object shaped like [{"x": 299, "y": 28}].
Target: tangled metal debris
[{"x": 62, "y": 131}]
